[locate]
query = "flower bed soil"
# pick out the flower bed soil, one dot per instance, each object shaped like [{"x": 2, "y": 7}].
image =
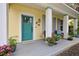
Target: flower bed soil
[{"x": 72, "y": 51}]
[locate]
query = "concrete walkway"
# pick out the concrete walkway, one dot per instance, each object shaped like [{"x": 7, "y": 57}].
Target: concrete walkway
[{"x": 40, "y": 48}]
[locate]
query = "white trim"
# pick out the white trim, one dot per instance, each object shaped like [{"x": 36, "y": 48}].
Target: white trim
[
  {"x": 48, "y": 23},
  {"x": 3, "y": 23},
  {"x": 65, "y": 26},
  {"x": 75, "y": 25},
  {"x": 20, "y": 26}
]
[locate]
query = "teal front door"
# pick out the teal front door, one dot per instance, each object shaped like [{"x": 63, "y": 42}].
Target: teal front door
[{"x": 27, "y": 27}]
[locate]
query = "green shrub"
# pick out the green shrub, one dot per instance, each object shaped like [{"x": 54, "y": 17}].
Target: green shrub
[
  {"x": 12, "y": 41},
  {"x": 57, "y": 37}
]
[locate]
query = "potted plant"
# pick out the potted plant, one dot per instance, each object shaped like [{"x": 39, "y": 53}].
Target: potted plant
[
  {"x": 50, "y": 41},
  {"x": 70, "y": 38},
  {"x": 12, "y": 43}
]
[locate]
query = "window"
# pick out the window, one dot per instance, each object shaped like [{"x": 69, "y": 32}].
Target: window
[
  {"x": 54, "y": 23},
  {"x": 61, "y": 25}
]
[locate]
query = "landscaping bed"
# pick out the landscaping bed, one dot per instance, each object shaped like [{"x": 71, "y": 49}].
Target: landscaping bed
[{"x": 72, "y": 51}]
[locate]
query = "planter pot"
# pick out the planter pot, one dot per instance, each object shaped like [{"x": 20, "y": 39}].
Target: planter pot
[
  {"x": 14, "y": 48},
  {"x": 70, "y": 39},
  {"x": 50, "y": 44},
  {"x": 77, "y": 36}
]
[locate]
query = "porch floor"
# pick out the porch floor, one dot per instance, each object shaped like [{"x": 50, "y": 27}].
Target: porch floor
[{"x": 40, "y": 48}]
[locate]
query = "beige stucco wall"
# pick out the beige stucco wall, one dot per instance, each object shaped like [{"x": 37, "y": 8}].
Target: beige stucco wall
[{"x": 15, "y": 11}]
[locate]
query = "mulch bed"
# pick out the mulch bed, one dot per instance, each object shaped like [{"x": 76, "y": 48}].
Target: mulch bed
[{"x": 72, "y": 51}]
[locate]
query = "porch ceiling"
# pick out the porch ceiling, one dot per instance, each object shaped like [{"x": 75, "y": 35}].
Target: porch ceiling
[
  {"x": 38, "y": 6},
  {"x": 58, "y": 8}
]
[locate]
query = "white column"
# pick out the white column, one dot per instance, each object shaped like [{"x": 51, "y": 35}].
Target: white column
[
  {"x": 75, "y": 25},
  {"x": 3, "y": 23},
  {"x": 48, "y": 22},
  {"x": 65, "y": 26}
]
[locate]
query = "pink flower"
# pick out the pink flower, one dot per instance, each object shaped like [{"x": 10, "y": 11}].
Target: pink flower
[
  {"x": 5, "y": 50},
  {"x": 9, "y": 54},
  {"x": 9, "y": 48},
  {"x": 4, "y": 46},
  {"x": 2, "y": 50}
]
